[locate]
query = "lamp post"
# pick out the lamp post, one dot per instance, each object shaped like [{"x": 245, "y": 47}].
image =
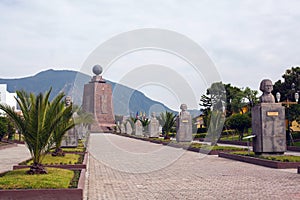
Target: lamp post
[{"x": 288, "y": 103}]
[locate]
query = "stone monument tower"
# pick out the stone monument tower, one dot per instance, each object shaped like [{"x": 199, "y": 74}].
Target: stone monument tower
[{"x": 97, "y": 99}]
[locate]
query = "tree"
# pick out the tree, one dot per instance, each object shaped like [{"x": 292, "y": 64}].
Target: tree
[
  {"x": 205, "y": 102},
  {"x": 40, "y": 118},
  {"x": 251, "y": 96},
  {"x": 217, "y": 94},
  {"x": 287, "y": 89},
  {"x": 83, "y": 117},
  {"x": 215, "y": 99},
  {"x": 3, "y": 127},
  {"x": 240, "y": 122},
  {"x": 65, "y": 123},
  {"x": 167, "y": 121}
]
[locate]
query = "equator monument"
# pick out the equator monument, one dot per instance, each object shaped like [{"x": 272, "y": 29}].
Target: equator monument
[{"x": 97, "y": 99}]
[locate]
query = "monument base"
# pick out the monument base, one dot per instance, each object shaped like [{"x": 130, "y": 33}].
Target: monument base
[
  {"x": 268, "y": 124},
  {"x": 102, "y": 128}
]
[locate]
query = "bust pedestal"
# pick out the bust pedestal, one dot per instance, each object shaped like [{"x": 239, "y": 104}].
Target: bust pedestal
[
  {"x": 184, "y": 128},
  {"x": 268, "y": 124},
  {"x": 153, "y": 128}
]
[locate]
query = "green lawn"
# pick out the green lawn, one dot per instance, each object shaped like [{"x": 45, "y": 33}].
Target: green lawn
[
  {"x": 297, "y": 144},
  {"x": 67, "y": 159},
  {"x": 72, "y": 149},
  {"x": 223, "y": 148},
  {"x": 233, "y": 138},
  {"x": 281, "y": 158},
  {"x": 18, "y": 179}
]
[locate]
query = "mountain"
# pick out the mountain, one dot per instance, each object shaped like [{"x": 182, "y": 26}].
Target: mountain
[{"x": 126, "y": 100}]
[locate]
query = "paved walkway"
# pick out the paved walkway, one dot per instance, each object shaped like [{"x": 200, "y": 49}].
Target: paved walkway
[
  {"x": 12, "y": 156},
  {"x": 124, "y": 168}
]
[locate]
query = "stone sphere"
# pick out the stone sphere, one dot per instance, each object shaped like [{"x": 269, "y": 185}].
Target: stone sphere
[{"x": 97, "y": 69}]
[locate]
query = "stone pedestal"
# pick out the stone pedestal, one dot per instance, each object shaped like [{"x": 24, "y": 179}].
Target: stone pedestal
[
  {"x": 97, "y": 99},
  {"x": 153, "y": 128},
  {"x": 138, "y": 128},
  {"x": 70, "y": 139},
  {"x": 122, "y": 128},
  {"x": 268, "y": 125},
  {"x": 184, "y": 127},
  {"x": 128, "y": 128}
]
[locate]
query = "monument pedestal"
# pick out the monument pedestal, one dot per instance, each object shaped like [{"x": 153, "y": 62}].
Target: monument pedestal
[
  {"x": 268, "y": 125},
  {"x": 153, "y": 128},
  {"x": 184, "y": 128},
  {"x": 97, "y": 99}
]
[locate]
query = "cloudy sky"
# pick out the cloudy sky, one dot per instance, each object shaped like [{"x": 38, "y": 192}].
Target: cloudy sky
[{"x": 246, "y": 40}]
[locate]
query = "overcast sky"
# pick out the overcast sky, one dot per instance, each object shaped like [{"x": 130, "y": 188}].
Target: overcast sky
[{"x": 246, "y": 40}]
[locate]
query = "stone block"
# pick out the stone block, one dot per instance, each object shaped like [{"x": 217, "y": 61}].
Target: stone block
[
  {"x": 138, "y": 128},
  {"x": 268, "y": 124}
]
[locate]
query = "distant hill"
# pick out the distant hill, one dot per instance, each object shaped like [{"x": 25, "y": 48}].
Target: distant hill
[{"x": 72, "y": 83}]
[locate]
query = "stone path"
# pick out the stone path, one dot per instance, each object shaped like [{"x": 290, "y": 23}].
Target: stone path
[
  {"x": 12, "y": 156},
  {"x": 124, "y": 168}
]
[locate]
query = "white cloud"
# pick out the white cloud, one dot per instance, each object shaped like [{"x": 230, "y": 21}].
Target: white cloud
[{"x": 247, "y": 40}]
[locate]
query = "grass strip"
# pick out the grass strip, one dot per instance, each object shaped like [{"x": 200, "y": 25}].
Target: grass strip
[
  {"x": 18, "y": 179},
  {"x": 281, "y": 158},
  {"x": 68, "y": 159}
]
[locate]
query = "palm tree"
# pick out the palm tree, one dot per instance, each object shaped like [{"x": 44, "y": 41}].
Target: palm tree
[
  {"x": 167, "y": 121},
  {"x": 66, "y": 123},
  {"x": 40, "y": 118}
]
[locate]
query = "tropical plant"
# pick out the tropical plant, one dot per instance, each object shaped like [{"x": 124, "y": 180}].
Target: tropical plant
[
  {"x": 66, "y": 123},
  {"x": 167, "y": 121},
  {"x": 39, "y": 119},
  {"x": 83, "y": 117},
  {"x": 145, "y": 121}
]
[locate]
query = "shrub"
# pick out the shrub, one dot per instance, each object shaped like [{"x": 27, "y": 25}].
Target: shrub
[{"x": 200, "y": 135}]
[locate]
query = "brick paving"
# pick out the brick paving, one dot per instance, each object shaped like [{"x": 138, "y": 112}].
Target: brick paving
[
  {"x": 124, "y": 168},
  {"x": 12, "y": 156}
]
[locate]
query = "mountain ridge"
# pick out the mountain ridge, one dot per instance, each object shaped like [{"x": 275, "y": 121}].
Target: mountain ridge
[{"x": 72, "y": 83}]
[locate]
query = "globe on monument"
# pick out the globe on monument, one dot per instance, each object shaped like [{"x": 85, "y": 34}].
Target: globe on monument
[{"x": 97, "y": 69}]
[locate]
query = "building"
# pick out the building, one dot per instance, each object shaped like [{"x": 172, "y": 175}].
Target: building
[
  {"x": 200, "y": 121},
  {"x": 7, "y": 97}
]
